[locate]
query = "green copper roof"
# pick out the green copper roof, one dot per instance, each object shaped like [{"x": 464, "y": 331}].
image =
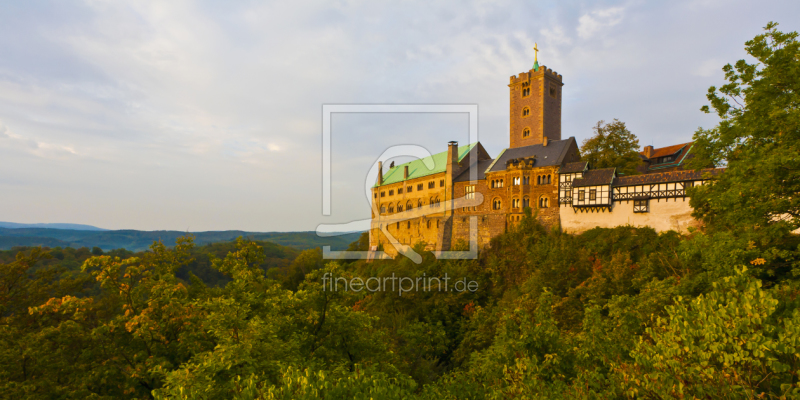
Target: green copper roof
[
  {"x": 417, "y": 168},
  {"x": 536, "y": 66}
]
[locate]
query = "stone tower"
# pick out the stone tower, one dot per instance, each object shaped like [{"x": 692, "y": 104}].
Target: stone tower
[{"x": 535, "y": 106}]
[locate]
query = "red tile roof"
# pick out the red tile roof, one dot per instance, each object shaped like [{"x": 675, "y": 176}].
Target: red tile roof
[{"x": 666, "y": 151}]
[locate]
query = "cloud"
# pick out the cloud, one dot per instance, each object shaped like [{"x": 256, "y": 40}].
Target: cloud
[{"x": 593, "y": 23}]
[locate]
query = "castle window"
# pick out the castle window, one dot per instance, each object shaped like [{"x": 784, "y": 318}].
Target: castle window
[
  {"x": 431, "y": 185},
  {"x": 437, "y": 224},
  {"x": 391, "y": 192},
  {"x": 526, "y": 180},
  {"x": 409, "y": 206},
  {"x": 539, "y": 180},
  {"x": 501, "y": 183},
  {"x": 441, "y": 183},
  {"x": 410, "y": 189},
  {"x": 470, "y": 190},
  {"x": 544, "y": 202},
  {"x": 383, "y": 194},
  {"x": 526, "y": 132},
  {"x": 516, "y": 181},
  {"x": 429, "y": 224},
  {"x": 409, "y": 225},
  {"x": 581, "y": 195},
  {"x": 526, "y": 202},
  {"x": 431, "y": 205},
  {"x": 553, "y": 92},
  {"x": 400, "y": 191},
  {"x": 383, "y": 209},
  {"x": 419, "y": 204},
  {"x": 496, "y": 204},
  {"x": 391, "y": 209},
  {"x": 398, "y": 225},
  {"x": 526, "y": 111},
  {"x": 548, "y": 179},
  {"x": 515, "y": 203},
  {"x": 419, "y": 187},
  {"x": 399, "y": 208},
  {"x": 375, "y": 195},
  {"x": 640, "y": 206},
  {"x": 592, "y": 194}
]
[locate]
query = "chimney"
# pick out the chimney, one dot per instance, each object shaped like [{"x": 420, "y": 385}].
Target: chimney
[
  {"x": 648, "y": 151},
  {"x": 452, "y": 153},
  {"x": 544, "y": 141},
  {"x": 380, "y": 173},
  {"x": 405, "y": 172}
]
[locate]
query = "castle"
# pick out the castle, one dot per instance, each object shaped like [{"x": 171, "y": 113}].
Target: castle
[{"x": 467, "y": 187}]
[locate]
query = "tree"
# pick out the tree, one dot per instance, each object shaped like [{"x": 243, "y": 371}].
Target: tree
[
  {"x": 758, "y": 137},
  {"x": 612, "y": 145}
]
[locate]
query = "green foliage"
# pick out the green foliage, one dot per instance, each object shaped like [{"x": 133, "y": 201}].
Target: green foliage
[
  {"x": 612, "y": 145},
  {"x": 607, "y": 314},
  {"x": 758, "y": 137}
]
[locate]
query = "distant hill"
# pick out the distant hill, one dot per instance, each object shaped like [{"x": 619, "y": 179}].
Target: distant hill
[
  {"x": 140, "y": 240},
  {"x": 77, "y": 227}
]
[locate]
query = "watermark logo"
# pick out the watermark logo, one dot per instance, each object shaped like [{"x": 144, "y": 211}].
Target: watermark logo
[
  {"x": 397, "y": 284},
  {"x": 381, "y": 222}
]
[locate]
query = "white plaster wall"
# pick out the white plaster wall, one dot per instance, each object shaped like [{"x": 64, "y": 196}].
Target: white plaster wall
[{"x": 664, "y": 215}]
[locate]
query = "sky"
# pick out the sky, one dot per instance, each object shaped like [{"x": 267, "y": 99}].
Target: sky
[{"x": 207, "y": 115}]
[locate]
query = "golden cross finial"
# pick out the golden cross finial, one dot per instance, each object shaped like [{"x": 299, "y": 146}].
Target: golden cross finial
[{"x": 536, "y": 52}]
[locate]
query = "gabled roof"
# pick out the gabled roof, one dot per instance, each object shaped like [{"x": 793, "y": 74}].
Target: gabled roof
[
  {"x": 573, "y": 167},
  {"x": 667, "y": 151},
  {"x": 417, "y": 168},
  {"x": 594, "y": 177},
  {"x": 552, "y": 154},
  {"x": 682, "y": 151},
  {"x": 481, "y": 165}
]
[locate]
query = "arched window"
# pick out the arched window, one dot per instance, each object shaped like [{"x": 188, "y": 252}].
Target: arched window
[
  {"x": 409, "y": 206},
  {"x": 431, "y": 204},
  {"x": 399, "y": 207},
  {"x": 391, "y": 208},
  {"x": 437, "y": 202},
  {"x": 437, "y": 224},
  {"x": 539, "y": 180},
  {"x": 496, "y": 204},
  {"x": 515, "y": 203},
  {"x": 548, "y": 179},
  {"x": 429, "y": 224},
  {"x": 526, "y": 111},
  {"x": 526, "y": 202},
  {"x": 526, "y": 132},
  {"x": 383, "y": 209},
  {"x": 544, "y": 202}
]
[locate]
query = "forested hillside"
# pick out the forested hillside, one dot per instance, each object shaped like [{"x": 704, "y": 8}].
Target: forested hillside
[
  {"x": 607, "y": 314},
  {"x": 134, "y": 240}
]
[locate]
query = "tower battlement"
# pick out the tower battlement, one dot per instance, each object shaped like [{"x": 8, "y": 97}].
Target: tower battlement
[{"x": 527, "y": 76}]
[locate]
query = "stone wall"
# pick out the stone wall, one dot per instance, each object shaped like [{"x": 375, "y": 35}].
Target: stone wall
[{"x": 664, "y": 214}]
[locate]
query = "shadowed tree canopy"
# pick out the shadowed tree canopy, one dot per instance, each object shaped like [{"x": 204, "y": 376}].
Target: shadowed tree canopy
[
  {"x": 758, "y": 137},
  {"x": 612, "y": 145}
]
